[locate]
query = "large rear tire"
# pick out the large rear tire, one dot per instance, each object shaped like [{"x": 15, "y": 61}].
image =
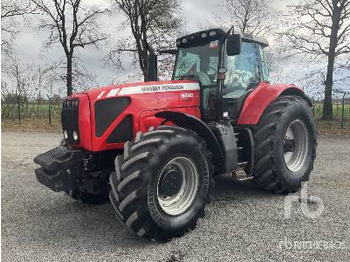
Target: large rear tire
[
  {"x": 162, "y": 183},
  {"x": 285, "y": 145}
]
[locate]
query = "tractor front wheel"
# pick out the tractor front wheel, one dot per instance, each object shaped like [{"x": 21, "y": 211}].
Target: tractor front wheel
[
  {"x": 162, "y": 182},
  {"x": 285, "y": 145}
]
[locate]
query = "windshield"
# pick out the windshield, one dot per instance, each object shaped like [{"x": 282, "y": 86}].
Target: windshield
[{"x": 199, "y": 62}]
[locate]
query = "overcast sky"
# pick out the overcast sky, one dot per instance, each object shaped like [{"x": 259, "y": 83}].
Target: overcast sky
[{"x": 196, "y": 13}]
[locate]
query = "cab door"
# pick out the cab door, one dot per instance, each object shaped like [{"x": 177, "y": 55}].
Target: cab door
[{"x": 244, "y": 73}]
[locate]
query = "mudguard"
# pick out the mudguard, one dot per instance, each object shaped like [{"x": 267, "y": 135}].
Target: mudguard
[
  {"x": 193, "y": 123},
  {"x": 262, "y": 96}
]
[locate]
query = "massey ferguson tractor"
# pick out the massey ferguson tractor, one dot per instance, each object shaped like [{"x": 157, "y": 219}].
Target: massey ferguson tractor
[{"x": 154, "y": 148}]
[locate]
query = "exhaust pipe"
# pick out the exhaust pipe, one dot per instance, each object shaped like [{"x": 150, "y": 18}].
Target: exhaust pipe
[{"x": 152, "y": 68}]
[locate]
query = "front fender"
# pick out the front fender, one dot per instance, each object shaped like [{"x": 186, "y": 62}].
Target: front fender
[
  {"x": 198, "y": 126},
  {"x": 258, "y": 100}
]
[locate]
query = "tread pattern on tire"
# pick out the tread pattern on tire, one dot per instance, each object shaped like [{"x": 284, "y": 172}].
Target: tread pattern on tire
[
  {"x": 265, "y": 175},
  {"x": 128, "y": 182}
]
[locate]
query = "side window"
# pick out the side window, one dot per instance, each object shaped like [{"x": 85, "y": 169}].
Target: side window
[
  {"x": 242, "y": 71},
  {"x": 213, "y": 66},
  {"x": 188, "y": 63},
  {"x": 265, "y": 71}
]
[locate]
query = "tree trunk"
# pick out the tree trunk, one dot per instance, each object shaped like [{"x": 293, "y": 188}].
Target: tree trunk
[
  {"x": 69, "y": 76},
  {"x": 327, "y": 104},
  {"x": 327, "y": 113}
]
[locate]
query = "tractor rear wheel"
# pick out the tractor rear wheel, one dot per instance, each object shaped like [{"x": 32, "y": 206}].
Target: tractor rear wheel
[
  {"x": 285, "y": 145},
  {"x": 162, "y": 182}
]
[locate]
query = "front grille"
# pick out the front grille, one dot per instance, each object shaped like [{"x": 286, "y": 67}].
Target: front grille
[
  {"x": 70, "y": 120},
  {"x": 106, "y": 111},
  {"x": 123, "y": 132}
]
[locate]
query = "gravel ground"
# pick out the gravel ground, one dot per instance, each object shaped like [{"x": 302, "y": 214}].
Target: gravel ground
[{"x": 242, "y": 222}]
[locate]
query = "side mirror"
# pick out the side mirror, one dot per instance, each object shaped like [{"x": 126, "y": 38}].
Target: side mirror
[{"x": 233, "y": 45}]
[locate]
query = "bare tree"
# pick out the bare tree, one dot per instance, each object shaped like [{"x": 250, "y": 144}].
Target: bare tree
[
  {"x": 320, "y": 29},
  {"x": 10, "y": 10},
  {"x": 17, "y": 78},
  {"x": 153, "y": 24},
  {"x": 72, "y": 26},
  {"x": 25, "y": 85},
  {"x": 29, "y": 77},
  {"x": 251, "y": 16}
]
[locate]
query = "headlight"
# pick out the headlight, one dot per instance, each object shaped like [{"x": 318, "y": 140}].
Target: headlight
[
  {"x": 75, "y": 135},
  {"x": 65, "y": 134}
]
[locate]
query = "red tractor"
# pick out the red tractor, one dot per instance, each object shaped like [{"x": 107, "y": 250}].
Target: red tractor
[{"x": 154, "y": 147}]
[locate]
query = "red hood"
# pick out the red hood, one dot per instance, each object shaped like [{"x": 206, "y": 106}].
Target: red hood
[
  {"x": 145, "y": 100},
  {"x": 141, "y": 88}
]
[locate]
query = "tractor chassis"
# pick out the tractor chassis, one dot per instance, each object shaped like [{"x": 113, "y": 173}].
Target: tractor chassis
[{"x": 66, "y": 169}]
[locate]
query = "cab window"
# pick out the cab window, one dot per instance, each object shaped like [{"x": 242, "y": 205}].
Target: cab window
[
  {"x": 199, "y": 61},
  {"x": 265, "y": 72},
  {"x": 242, "y": 71}
]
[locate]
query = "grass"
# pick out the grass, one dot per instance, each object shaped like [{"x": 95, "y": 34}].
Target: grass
[
  {"x": 337, "y": 110},
  {"x": 30, "y": 110},
  {"x": 31, "y": 125},
  {"x": 333, "y": 128},
  {"x": 34, "y": 117},
  {"x": 324, "y": 128},
  {"x": 40, "y": 122}
]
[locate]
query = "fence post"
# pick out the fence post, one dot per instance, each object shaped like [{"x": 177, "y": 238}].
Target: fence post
[
  {"x": 50, "y": 111},
  {"x": 19, "y": 107},
  {"x": 13, "y": 104},
  {"x": 343, "y": 112}
]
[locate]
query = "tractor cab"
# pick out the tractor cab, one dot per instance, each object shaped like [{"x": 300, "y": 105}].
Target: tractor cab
[{"x": 227, "y": 66}]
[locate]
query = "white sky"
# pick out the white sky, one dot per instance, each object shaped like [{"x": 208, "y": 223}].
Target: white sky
[{"x": 196, "y": 13}]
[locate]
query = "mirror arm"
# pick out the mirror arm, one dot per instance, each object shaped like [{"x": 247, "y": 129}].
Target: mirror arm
[{"x": 230, "y": 32}]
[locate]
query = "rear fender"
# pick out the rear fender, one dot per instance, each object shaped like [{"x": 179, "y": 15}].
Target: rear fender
[
  {"x": 193, "y": 123},
  {"x": 258, "y": 100}
]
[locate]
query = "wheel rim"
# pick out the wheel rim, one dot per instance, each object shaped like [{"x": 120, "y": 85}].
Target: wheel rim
[
  {"x": 177, "y": 186},
  {"x": 296, "y": 145}
]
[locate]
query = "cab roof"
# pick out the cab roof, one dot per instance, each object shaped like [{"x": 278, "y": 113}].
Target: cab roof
[{"x": 210, "y": 35}]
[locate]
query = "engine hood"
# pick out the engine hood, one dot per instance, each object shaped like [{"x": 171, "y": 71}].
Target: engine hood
[
  {"x": 151, "y": 95},
  {"x": 115, "y": 109},
  {"x": 142, "y": 88}
]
